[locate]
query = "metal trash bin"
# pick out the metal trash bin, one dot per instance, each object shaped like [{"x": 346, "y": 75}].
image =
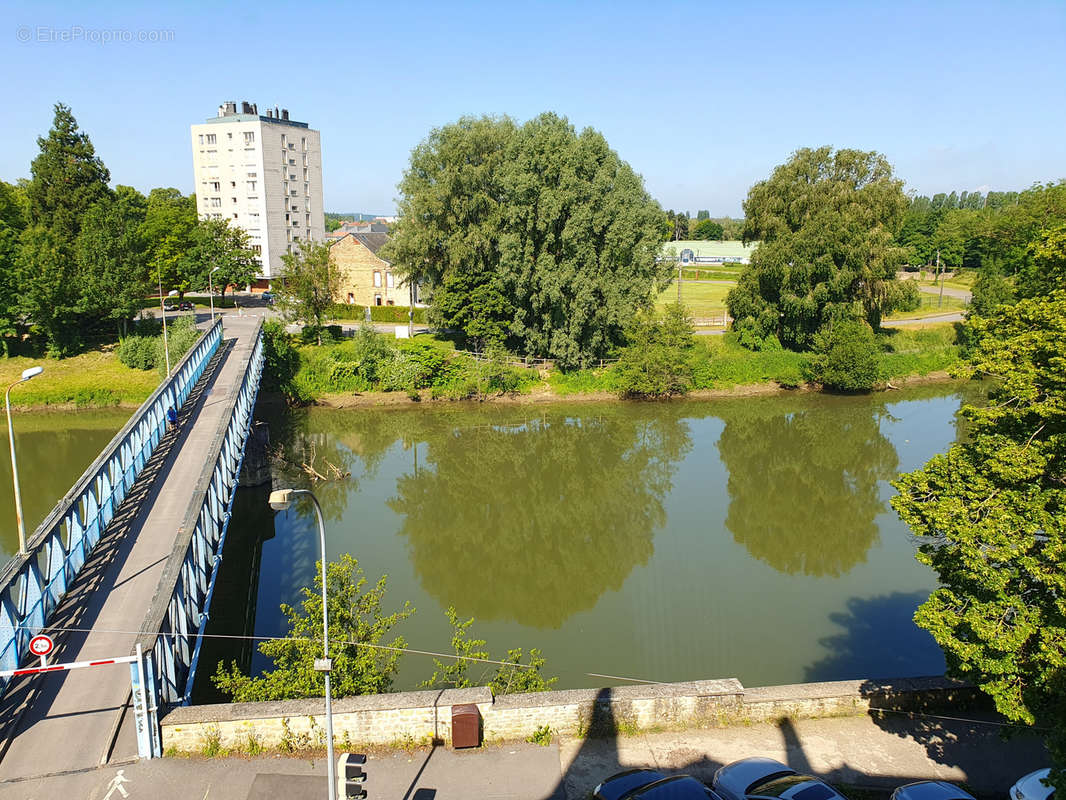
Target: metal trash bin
[{"x": 466, "y": 726}]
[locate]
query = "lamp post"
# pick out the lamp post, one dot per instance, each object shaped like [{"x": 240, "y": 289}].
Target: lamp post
[
  {"x": 163, "y": 310},
  {"x": 280, "y": 500},
  {"x": 211, "y": 290},
  {"x": 26, "y": 375}
]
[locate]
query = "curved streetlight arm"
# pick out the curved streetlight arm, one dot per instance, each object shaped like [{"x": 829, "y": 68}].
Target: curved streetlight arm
[
  {"x": 280, "y": 500},
  {"x": 28, "y": 373}
]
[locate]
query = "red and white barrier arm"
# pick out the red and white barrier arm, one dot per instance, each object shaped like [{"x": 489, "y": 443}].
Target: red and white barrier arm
[{"x": 10, "y": 673}]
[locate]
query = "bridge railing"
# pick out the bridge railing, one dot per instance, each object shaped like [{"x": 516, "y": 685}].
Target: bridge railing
[
  {"x": 171, "y": 631},
  {"x": 32, "y": 585}
]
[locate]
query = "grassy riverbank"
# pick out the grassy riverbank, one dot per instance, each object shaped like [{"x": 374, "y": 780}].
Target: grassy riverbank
[
  {"x": 373, "y": 370},
  {"x": 95, "y": 379}
]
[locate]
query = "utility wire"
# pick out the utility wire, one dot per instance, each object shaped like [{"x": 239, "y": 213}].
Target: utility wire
[
  {"x": 174, "y": 635},
  {"x": 455, "y": 656}
]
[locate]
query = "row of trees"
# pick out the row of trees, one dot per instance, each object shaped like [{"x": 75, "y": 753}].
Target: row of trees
[
  {"x": 679, "y": 225},
  {"x": 975, "y": 231},
  {"x": 77, "y": 257}
]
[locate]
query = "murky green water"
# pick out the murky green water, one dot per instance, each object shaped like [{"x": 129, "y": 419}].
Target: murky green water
[
  {"x": 53, "y": 450},
  {"x": 749, "y": 538}
]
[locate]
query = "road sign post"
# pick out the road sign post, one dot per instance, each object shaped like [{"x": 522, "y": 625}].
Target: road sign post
[{"x": 41, "y": 645}]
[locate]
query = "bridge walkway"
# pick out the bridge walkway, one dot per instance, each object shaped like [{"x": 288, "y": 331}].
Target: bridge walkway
[{"x": 78, "y": 719}]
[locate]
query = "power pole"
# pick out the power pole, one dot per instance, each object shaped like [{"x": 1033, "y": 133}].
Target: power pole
[
  {"x": 679, "y": 284},
  {"x": 939, "y": 275}
]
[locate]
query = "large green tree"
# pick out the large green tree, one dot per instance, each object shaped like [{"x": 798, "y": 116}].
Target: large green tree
[
  {"x": 67, "y": 178},
  {"x": 990, "y": 517},
  {"x": 219, "y": 244},
  {"x": 12, "y": 223},
  {"x": 169, "y": 231},
  {"x": 826, "y": 223},
  {"x": 707, "y": 229},
  {"x": 309, "y": 284},
  {"x": 534, "y": 236},
  {"x": 112, "y": 258}
]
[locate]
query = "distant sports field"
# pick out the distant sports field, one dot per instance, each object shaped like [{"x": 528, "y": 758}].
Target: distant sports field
[{"x": 704, "y": 301}]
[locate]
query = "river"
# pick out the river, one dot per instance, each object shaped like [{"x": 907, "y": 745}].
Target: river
[
  {"x": 53, "y": 449},
  {"x": 747, "y": 538}
]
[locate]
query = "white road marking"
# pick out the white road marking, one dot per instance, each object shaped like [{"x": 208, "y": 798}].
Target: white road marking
[{"x": 116, "y": 785}]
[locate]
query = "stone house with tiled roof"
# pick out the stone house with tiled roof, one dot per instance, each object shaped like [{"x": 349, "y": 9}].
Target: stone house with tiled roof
[{"x": 366, "y": 279}]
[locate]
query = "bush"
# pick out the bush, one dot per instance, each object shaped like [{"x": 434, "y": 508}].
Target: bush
[
  {"x": 990, "y": 291},
  {"x": 656, "y": 361},
  {"x": 137, "y": 352},
  {"x": 182, "y": 334},
  {"x": 905, "y": 296},
  {"x": 397, "y": 314},
  {"x": 846, "y": 356},
  {"x": 280, "y": 356}
]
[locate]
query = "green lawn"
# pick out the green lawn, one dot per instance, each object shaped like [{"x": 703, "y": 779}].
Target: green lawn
[
  {"x": 96, "y": 378},
  {"x": 704, "y": 301}
]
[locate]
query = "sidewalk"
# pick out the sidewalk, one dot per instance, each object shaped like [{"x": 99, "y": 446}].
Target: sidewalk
[{"x": 862, "y": 751}]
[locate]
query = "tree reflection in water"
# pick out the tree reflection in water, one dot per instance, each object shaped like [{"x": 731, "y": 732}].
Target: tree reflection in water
[
  {"x": 531, "y": 518},
  {"x": 803, "y": 480}
]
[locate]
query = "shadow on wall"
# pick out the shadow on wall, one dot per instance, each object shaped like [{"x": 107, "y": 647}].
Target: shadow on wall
[
  {"x": 972, "y": 745},
  {"x": 863, "y": 649}
]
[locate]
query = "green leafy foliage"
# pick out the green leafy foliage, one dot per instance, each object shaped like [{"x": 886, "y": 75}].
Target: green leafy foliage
[
  {"x": 219, "y": 245},
  {"x": 67, "y": 179},
  {"x": 112, "y": 257},
  {"x": 656, "y": 361},
  {"x": 990, "y": 290},
  {"x": 990, "y": 516},
  {"x": 708, "y": 229},
  {"x": 137, "y": 352},
  {"x": 534, "y": 237},
  {"x": 356, "y": 623},
  {"x": 308, "y": 284},
  {"x": 182, "y": 334},
  {"x": 280, "y": 356},
  {"x": 847, "y": 356},
  {"x": 516, "y": 675},
  {"x": 826, "y": 223}
]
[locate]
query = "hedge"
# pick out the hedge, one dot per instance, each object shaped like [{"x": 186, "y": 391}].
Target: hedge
[{"x": 396, "y": 314}]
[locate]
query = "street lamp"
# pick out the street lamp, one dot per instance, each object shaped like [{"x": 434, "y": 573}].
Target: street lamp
[
  {"x": 280, "y": 500},
  {"x": 211, "y": 290},
  {"x": 163, "y": 309},
  {"x": 26, "y": 375}
]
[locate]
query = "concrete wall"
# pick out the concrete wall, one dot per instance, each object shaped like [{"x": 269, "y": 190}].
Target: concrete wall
[{"x": 420, "y": 717}]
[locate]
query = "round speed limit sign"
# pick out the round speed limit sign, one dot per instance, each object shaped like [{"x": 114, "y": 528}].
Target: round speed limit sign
[{"x": 41, "y": 645}]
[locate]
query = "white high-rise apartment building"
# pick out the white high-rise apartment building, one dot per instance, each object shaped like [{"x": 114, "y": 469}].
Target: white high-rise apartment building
[{"x": 263, "y": 174}]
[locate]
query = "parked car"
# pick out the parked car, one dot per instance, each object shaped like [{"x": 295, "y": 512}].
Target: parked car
[
  {"x": 1031, "y": 787},
  {"x": 647, "y": 784},
  {"x": 185, "y": 305},
  {"x": 268, "y": 298},
  {"x": 752, "y": 778},
  {"x": 170, "y": 306},
  {"x": 930, "y": 790}
]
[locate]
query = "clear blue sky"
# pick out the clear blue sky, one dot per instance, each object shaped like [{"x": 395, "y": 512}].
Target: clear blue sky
[{"x": 702, "y": 99}]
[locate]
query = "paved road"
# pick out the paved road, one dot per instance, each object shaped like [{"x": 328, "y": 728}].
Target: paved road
[
  {"x": 67, "y": 720},
  {"x": 949, "y": 291},
  {"x": 869, "y": 751}
]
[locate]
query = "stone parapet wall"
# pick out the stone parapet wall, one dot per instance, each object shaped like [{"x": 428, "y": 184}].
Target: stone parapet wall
[{"x": 425, "y": 716}]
